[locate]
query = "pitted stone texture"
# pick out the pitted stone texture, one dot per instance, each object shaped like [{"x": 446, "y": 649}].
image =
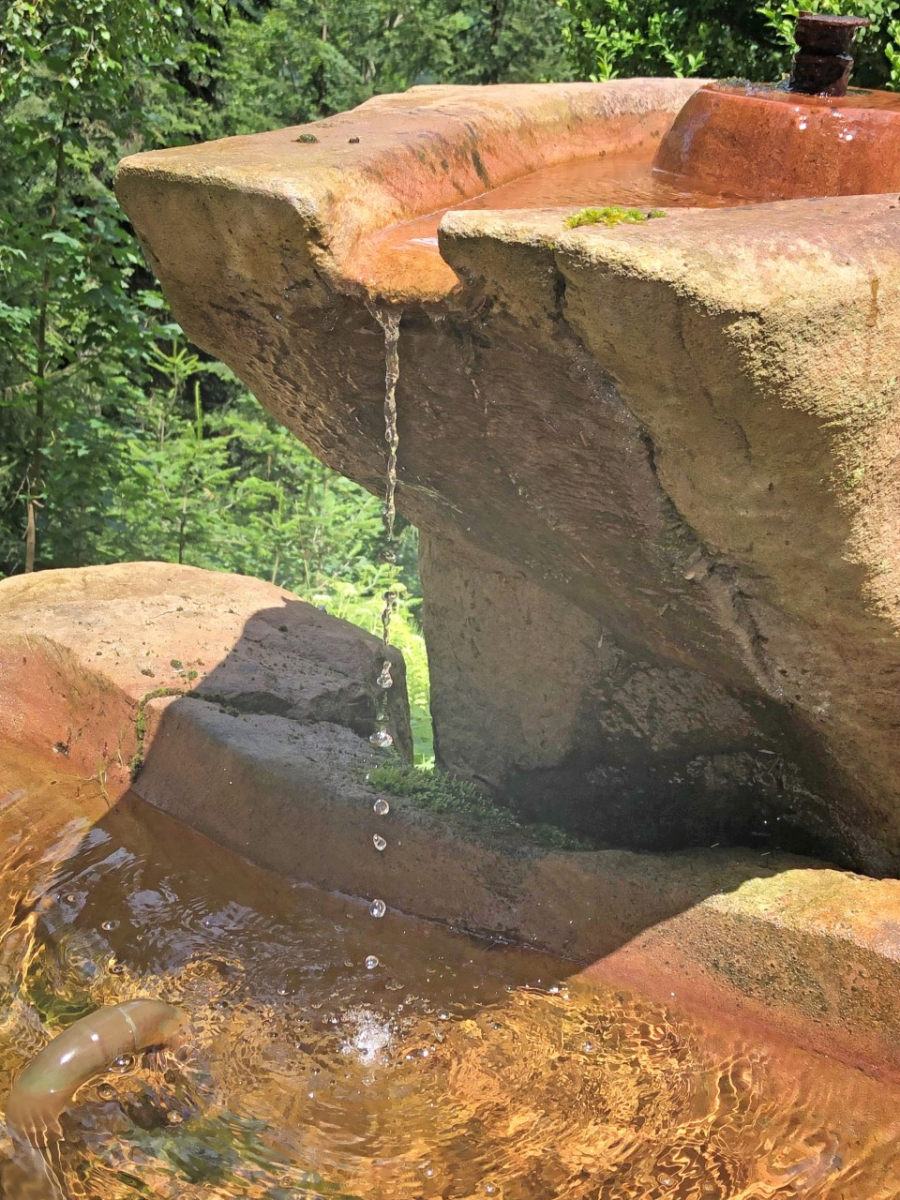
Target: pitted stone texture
[
  {"x": 83, "y": 651},
  {"x": 683, "y": 430}
]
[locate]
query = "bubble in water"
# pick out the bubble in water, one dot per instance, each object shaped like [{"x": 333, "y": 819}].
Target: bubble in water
[
  {"x": 381, "y": 807},
  {"x": 174, "y": 1118},
  {"x": 124, "y": 1062},
  {"x": 378, "y": 908},
  {"x": 371, "y": 962},
  {"x": 109, "y": 925},
  {"x": 378, "y": 842},
  {"x": 382, "y": 739},
  {"x": 491, "y": 1189},
  {"x": 115, "y": 967},
  {"x": 106, "y": 1091},
  {"x": 384, "y": 680}
]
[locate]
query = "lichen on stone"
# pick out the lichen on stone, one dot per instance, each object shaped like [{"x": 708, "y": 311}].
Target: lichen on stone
[{"x": 612, "y": 215}]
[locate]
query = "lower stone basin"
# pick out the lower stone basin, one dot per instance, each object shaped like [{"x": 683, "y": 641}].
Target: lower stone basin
[
  {"x": 651, "y": 465},
  {"x": 239, "y": 711},
  {"x": 334, "y": 1054}
]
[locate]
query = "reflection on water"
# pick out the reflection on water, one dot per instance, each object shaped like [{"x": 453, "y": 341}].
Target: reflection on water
[{"x": 389, "y": 1060}]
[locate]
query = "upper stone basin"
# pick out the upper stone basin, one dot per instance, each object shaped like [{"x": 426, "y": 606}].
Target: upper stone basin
[{"x": 653, "y": 466}]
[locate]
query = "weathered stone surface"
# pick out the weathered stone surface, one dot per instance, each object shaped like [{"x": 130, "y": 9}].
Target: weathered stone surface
[
  {"x": 729, "y": 135},
  {"x": 683, "y": 431},
  {"x": 85, "y": 651}
]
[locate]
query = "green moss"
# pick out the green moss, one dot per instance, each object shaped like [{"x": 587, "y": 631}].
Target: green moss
[
  {"x": 140, "y": 724},
  {"x": 440, "y": 792},
  {"x": 612, "y": 216}
]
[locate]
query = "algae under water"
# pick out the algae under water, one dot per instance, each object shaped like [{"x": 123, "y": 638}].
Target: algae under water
[{"x": 392, "y": 1060}]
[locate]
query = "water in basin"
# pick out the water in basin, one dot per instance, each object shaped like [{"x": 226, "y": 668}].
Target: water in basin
[
  {"x": 337, "y": 1056},
  {"x": 625, "y": 178}
]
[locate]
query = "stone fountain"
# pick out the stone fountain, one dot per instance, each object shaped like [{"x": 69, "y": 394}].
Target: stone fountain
[{"x": 652, "y": 464}]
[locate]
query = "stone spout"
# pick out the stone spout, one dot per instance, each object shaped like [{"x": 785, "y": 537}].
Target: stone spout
[
  {"x": 822, "y": 64},
  {"x": 653, "y": 466}
]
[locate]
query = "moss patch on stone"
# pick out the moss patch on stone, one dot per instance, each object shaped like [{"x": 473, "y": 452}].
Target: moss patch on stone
[
  {"x": 440, "y": 792},
  {"x": 613, "y": 215},
  {"x": 140, "y": 724}
]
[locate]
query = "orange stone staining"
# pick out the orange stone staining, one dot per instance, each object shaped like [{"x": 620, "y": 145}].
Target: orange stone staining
[{"x": 791, "y": 147}]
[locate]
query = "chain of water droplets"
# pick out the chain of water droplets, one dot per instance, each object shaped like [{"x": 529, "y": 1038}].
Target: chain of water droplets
[{"x": 389, "y": 321}]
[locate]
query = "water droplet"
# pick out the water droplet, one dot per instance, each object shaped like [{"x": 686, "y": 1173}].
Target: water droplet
[
  {"x": 443, "y": 1015},
  {"x": 371, "y": 962},
  {"x": 666, "y": 1181},
  {"x": 382, "y": 739},
  {"x": 378, "y": 908},
  {"x": 588, "y": 1047},
  {"x": 378, "y": 842},
  {"x": 115, "y": 967},
  {"x": 429, "y": 1172},
  {"x": 106, "y": 1091},
  {"x": 384, "y": 680},
  {"x": 174, "y": 1118},
  {"x": 802, "y": 123},
  {"x": 381, "y": 807},
  {"x": 70, "y": 899},
  {"x": 491, "y": 1189},
  {"x": 109, "y": 925},
  {"x": 124, "y": 1063}
]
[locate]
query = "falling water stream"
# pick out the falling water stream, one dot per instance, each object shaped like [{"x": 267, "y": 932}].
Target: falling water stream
[{"x": 389, "y": 321}]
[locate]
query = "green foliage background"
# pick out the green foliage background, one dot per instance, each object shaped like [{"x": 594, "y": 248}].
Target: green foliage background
[
  {"x": 719, "y": 38},
  {"x": 118, "y": 440}
]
